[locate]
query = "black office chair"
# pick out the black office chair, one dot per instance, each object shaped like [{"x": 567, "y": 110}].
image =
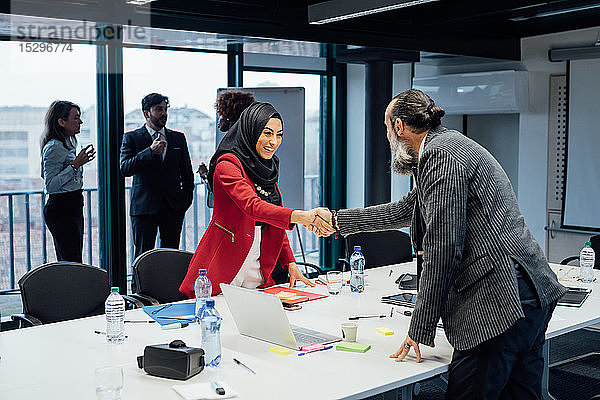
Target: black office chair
[
  {"x": 63, "y": 290},
  {"x": 382, "y": 248},
  {"x": 158, "y": 274},
  {"x": 595, "y": 240}
]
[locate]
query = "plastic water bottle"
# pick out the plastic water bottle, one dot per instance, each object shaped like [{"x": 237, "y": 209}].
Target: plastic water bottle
[
  {"x": 357, "y": 271},
  {"x": 210, "y": 323},
  {"x": 587, "y": 258},
  {"x": 114, "y": 307},
  {"x": 203, "y": 290}
]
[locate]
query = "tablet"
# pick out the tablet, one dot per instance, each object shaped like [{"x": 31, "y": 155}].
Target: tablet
[
  {"x": 407, "y": 282},
  {"x": 402, "y": 299},
  {"x": 574, "y": 297}
]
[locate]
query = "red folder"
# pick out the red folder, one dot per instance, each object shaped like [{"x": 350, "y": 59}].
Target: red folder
[{"x": 301, "y": 296}]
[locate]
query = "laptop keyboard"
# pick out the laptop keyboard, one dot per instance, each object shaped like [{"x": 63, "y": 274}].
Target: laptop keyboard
[{"x": 307, "y": 336}]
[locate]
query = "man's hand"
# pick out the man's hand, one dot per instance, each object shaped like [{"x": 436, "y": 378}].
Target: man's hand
[
  {"x": 296, "y": 275},
  {"x": 158, "y": 145},
  {"x": 322, "y": 225},
  {"x": 405, "y": 349}
]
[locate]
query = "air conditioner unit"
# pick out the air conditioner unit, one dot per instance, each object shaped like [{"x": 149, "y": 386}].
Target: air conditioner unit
[{"x": 491, "y": 92}]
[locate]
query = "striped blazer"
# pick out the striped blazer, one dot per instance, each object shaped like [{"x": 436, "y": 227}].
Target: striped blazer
[{"x": 474, "y": 233}]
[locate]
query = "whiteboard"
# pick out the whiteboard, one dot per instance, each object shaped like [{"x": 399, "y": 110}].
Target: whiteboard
[
  {"x": 582, "y": 193},
  {"x": 289, "y": 102}
]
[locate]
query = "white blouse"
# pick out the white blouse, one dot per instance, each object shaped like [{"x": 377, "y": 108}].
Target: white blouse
[{"x": 250, "y": 276}]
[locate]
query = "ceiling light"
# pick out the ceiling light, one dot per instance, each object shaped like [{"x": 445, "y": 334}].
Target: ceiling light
[
  {"x": 138, "y": 2},
  {"x": 556, "y": 12},
  {"x": 339, "y": 10}
]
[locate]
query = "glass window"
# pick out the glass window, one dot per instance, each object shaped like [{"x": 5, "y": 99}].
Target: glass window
[
  {"x": 190, "y": 80},
  {"x": 312, "y": 183},
  {"x": 33, "y": 77}
]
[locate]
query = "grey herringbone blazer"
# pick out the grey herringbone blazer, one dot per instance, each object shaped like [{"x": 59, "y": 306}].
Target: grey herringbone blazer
[{"x": 474, "y": 231}]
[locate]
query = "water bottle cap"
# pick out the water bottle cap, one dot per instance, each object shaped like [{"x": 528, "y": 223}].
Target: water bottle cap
[
  {"x": 202, "y": 271},
  {"x": 114, "y": 289},
  {"x": 588, "y": 243},
  {"x": 210, "y": 303},
  {"x": 356, "y": 248}
]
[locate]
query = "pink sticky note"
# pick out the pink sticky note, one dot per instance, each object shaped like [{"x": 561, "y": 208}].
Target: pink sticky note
[{"x": 312, "y": 347}]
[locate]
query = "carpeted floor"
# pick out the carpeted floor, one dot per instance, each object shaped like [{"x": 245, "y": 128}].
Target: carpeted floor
[{"x": 579, "y": 380}]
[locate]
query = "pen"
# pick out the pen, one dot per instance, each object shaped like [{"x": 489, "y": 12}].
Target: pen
[
  {"x": 217, "y": 388},
  {"x": 366, "y": 316},
  {"x": 238, "y": 362},
  {"x": 161, "y": 308},
  {"x": 390, "y": 274},
  {"x": 104, "y": 333},
  {"x": 140, "y": 322},
  {"x": 186, "y": 318},
  {"x": 175, "y": 325},
  {"x": 314, "y": 351}
]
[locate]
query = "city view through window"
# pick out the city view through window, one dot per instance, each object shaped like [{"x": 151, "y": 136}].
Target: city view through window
[{"x": 189, "y": 79}]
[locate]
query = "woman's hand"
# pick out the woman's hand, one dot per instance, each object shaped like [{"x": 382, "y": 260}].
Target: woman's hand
[
  {"x": 86, "y": 155},
  {"x": 305, "y": 218},
  {"x": 296, "y": 275}
]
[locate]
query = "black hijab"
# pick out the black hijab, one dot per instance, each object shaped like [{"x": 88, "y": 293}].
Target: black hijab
[{"x": 241, "y": 141}]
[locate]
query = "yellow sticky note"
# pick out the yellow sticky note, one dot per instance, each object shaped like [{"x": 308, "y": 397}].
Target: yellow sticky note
[
  {"x": 280, "y": 350},
  {"x": 384, "y": 331},
  {"x": 286, "y": 295}
]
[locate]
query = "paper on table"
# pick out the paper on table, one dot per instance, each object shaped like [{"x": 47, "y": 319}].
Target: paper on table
[{"x": 200, "y": 391}]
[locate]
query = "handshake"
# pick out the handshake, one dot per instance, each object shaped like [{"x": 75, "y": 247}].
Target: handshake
[{"x": 318, "y": 220}]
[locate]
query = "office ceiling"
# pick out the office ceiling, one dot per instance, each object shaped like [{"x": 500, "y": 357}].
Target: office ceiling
[{"x": 482, "y": 28}]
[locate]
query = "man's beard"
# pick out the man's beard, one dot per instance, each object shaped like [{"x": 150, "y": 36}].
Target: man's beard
[
  {"x": 158, "y": 122},
  {"x": 404, "y": 158}
]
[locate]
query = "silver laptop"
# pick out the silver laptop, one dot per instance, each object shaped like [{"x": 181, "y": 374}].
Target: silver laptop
[{"x": 261, "y": 316}]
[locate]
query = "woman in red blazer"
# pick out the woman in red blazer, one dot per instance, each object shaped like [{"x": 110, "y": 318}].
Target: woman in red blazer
[{"x": 246, "y": 237}]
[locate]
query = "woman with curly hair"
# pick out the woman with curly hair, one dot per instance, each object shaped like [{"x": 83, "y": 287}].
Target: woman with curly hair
[{"x": 230, "y": 104}]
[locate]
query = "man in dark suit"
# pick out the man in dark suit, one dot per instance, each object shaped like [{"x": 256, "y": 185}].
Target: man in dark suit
[
  {"x": 483, "y": 273},
  {"x": 163, "y": 181}
]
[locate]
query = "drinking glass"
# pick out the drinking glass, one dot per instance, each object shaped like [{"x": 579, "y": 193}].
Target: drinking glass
[
  {"x": 109, "y": 383},
  {"x": 334, "y": 282}
]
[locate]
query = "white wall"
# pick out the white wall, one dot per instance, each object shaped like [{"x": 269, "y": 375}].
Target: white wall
[
  {"x": 355, "y": 163},
  {"x": 533, "y": 125}
]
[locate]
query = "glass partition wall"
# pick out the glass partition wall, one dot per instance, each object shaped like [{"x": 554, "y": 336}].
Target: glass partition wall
[{"x": 188, "y": 67}]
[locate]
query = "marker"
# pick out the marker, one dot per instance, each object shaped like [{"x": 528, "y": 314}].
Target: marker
[
  {"x": 217, "y": 388},
  {"x": 161, "y": 308},
  {"x": 314, "y": 351},
  {"x": 366, "y": 316},
  {"x": 176, "y": 325}
]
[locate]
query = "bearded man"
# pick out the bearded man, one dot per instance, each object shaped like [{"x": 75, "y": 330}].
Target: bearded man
[
  {"x": 163, "y": 181},
  {"x": 483, "y": 272}
]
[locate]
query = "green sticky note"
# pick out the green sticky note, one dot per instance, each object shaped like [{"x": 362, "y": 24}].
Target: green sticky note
[{"x": 353, "y": 347}]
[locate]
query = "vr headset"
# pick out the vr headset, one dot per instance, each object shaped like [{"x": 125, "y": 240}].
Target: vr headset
[{"x": 174, "y": 360}]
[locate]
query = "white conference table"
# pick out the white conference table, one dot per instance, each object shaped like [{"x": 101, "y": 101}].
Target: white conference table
[{"x": 57, "y": 361}]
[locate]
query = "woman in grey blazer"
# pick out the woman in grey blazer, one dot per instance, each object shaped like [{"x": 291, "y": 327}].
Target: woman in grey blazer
[{"x": 63, "y": 178}]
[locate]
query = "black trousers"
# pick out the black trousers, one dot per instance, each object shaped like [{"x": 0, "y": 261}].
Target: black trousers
[
  {"x": 509, "y": 366},
  {"x": 63, "y": 213},
  {"x": 167, "y": 221}
]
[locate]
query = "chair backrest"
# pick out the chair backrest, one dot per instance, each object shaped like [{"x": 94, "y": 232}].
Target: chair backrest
[
  {"x": 159, "y": 273},
  {"x": 382, "y": 248},
  {"x": 595, "y": 240},
  {"x": 64, "y": 290}
]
